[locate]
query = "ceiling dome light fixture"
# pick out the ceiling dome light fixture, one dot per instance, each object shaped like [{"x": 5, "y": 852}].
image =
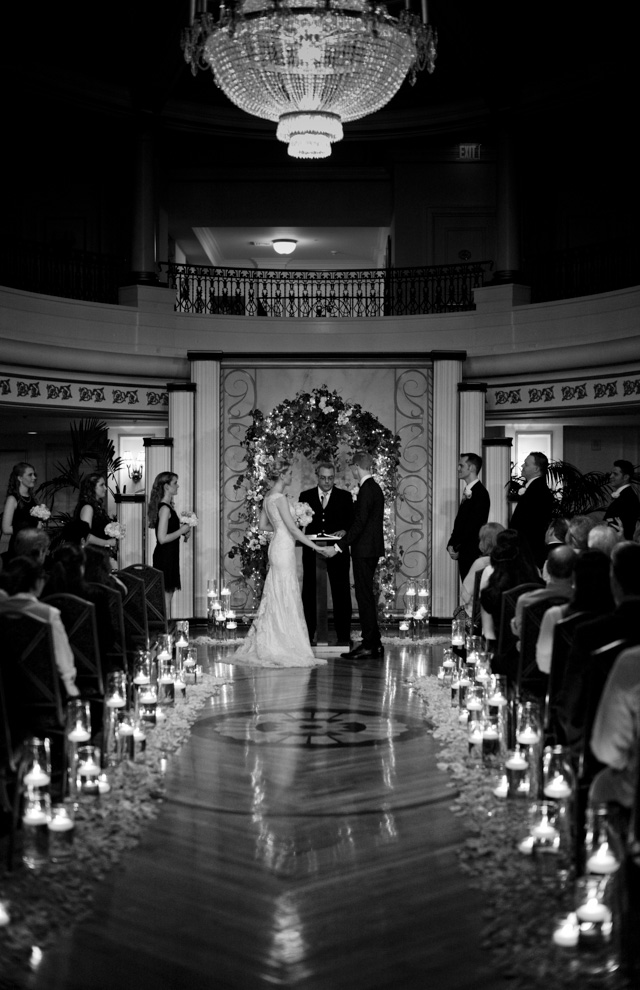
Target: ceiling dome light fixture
[
  {"x": 284, "y": 245},
  {"x": 309, "y": 65}
]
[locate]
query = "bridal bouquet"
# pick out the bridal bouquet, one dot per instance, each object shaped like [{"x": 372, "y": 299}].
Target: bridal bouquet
[
  {"x": 190, "y": 518},
  {"x": 302, "y": 513},
  {"x": 41, "y": 512},
  {"x": 115, "y": 530}
]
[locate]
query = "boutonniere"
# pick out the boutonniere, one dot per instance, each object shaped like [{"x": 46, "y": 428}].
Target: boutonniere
[
  {"x": 521, "y": 491},
  {"x": 468, "y": 492}
]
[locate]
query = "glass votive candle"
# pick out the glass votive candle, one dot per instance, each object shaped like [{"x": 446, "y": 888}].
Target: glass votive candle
[
  {"x": 116, "y": 691},
  {"x": 464, "y": 682},
  {"x": 148, "y": 704},
  {"x": 165, "y": 647},
  {"x": 600, "y": 858},
  {"x": 497, "y": 699},
  {"x": 474, "y": 738},
  {"x": 166, "y": 683},
  {"x": 182, "y": 634},
  {"x": 140, "y": 741},
  {"x": 566, "y": 931},
  {"x": 474, "y": 701},
  {"x": 440, "y": 676},
  {"x": 38, "y": 765},
  {"x": 61, "y": 832},
  {"x": 35, "y": 831},
  {"x": 458, "y": 631},
  {"x": 558, "y": 779},
  {"x": 124, "y": 739},
  {"x": 78, "y": 721},
  {"x": 455, "y": 688},
  {"x": 545, "y": 835},
  {"x": 491, "y": 740},
  {"x": 517, "y": 770},
  {"x": 180, "y": 686},
  {"x": 596, "y": 949},
  {"x": 88, "y": 771}
]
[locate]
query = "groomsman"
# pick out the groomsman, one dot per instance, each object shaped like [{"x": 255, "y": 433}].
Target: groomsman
[
  {"x": 333, "y": 510},
  {"x": 624, "y": 507},
  {"x": 534, "y": 508},
  {"x": 473, "y": 513}
]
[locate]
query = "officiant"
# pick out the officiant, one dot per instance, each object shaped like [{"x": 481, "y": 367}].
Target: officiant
[{"x": 332, "y": 515}]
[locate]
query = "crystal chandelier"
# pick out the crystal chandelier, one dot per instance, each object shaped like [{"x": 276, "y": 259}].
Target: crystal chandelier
[{"x": 309, "y": 65}]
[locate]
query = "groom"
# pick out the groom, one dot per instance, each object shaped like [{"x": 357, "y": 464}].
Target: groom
[{"x": 366, "y": 539}]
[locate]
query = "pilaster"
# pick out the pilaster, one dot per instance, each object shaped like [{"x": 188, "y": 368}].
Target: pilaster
[
  {"x": 181, "y": 429},
  {"x": 496, "y": 473}
]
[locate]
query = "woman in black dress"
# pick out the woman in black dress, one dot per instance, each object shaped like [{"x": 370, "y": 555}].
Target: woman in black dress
[
  {"x": 90, "y": 509},
  {"x": 19, "y": 503},
  {"x": 164, "y": 519}
]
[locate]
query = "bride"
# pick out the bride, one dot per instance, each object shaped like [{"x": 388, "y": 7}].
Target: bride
[{"x": 278, "y": 636}]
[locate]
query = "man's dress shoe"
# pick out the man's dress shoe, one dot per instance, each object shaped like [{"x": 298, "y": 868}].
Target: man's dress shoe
[
  {"x": 352, "y": 654},
  {"x": 364, "y": 653}
]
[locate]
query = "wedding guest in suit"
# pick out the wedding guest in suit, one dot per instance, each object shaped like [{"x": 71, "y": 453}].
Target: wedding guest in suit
[
  {"x": 534, "y": 509},
  {"x": 510, "y": 565},
  {"x": 332, "y": 515},
  {"x": 578, "y": 532},
  {"x": 365, "y": 537},
  {"x": 20, "y": 501},
  {"x": 473, "y": 513},
  {"x": 32, "y": 543},
  {"x": 559, "y": 584},
  {"x": 604, "y": 537},
  {"x": 624, "y": 508}
]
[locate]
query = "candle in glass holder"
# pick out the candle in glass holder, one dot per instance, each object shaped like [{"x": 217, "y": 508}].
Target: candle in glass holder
[
  {"x": 88, "y": 771},
  {"x": 35, "y": 833},
  {"x": 527, "y": 737},
  {"x": 517, "y": 766},
  {"x": 566, "y": 932},
  {"x": 166, "y": 683},
  {"x": 125, "y": 741},
  {"x": 558, "y": 789},
  {"x": 116, "y": 693},
  {"x": 501, "y": 789},
  {"x": 148, "y": 701},
  {"x": 602, "y": 860},
  {"x": 140, "y": 742},
  {"x": 61, "y": 833},
  {"x": 37, "y": 776}
]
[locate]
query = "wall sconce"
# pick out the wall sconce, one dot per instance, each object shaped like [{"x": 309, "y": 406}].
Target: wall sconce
[{"x": 135, "y": 468}]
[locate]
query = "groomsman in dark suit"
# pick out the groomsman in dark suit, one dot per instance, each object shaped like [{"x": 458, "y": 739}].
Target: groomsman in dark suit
[
  {"x": 472, "y": 514},
  {"x": 534, "y": 508},
  {"x": 624, "y": 508},
  {"x": 333, "y": 510},
  {"x": 366, "y": 540}
]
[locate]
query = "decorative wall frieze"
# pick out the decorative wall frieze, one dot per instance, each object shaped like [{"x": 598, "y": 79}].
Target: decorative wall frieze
[
  {"x": 32, "y": 390},
  {"x": 586, "y": 392}
]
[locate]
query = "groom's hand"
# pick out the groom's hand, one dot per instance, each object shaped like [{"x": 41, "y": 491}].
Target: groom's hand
[{"x": 331, "y": 551}]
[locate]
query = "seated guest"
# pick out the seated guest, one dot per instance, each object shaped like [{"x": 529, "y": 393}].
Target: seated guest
[
  {"x": 23, "y": 580},
  {"x": 557, "y": 532},
  {"x": 591, "y": 595},
  {"x": 578, "y": 531},
  {"x": 624, "y": 508},
  {"x": 97, "y": 570},
  {"x": 559, "y": 584},
  {"x": 486, "y": 541},
  {"x": 510, "y": 563},
  {"x": 32, "y": 543},
  {"x": 585, "y": 676},
  {"x": 615, "y": 736},
  {"x": 604, "y": 537},
  {"x": 67, "y": 576}
]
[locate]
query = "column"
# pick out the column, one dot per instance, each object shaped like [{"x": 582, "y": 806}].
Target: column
[
  {"x": 472, "y": 403},
  {"x": 143, "y": 247},
  {"x": 447, "y": 373},
  {"x": 205, "y": 375},
  {"x": 496, "y": 472},
  {"x": 158, "y": 458},
  {"x": 508, "y": 260},
  {"x": 131, "y": 511},
  {"x": 181, "y": 428}
]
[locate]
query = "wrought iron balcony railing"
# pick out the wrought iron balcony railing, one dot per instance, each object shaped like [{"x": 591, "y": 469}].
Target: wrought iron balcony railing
[{"x": 284, "y": 293}]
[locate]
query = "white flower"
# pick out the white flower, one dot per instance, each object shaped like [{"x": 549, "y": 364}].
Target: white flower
[
  {"x": 115, "y": 530},
  {"x": 41, "y": 512},
  {"x": 521, "y": 491},
  {"x": 190, "y": 518}
]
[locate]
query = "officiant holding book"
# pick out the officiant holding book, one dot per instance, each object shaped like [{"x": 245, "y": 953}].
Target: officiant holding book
[{"x": 333, "y": 510}]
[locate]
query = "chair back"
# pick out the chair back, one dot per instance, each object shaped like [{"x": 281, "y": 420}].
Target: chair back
[
  {"x": 476, "y": 611},
  {"x": 32, "y": 687},
  {"x": 116, "y": 658},
  {"x": 154, "y": 594},
  {"x": 600, "y": 663},
  {"x": 562, "y": 640},
  {"x": 79, "y": 620},
  {"x": 531, "y": 681},
  {"x": 506, "y": 652},
  {"x": 134, "y": 608}
]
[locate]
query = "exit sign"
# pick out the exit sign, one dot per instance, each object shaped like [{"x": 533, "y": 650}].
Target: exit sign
[{"x": 470, "y": 151}]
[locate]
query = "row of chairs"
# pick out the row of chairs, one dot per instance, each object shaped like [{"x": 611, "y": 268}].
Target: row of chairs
[{"x": 28, "y": 670}]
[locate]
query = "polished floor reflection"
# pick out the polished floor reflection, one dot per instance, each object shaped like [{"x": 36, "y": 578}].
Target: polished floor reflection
[{"x": 306, "y": 841}]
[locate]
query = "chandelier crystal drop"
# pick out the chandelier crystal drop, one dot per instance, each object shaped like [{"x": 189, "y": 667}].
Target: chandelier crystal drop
[{"x": 309, "y": 65}]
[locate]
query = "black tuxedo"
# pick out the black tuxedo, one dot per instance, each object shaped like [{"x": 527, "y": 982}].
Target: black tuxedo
[
  {"x": 625, "y": 507},
  {"x": 336, "y": 516},
  {"x": 531, "y": 518},
  {"x": 366, "y": 539},
  {"x": 472, "y": 514}
]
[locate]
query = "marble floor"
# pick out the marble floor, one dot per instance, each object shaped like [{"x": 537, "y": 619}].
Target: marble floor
[{"x": 305, "y": 841}]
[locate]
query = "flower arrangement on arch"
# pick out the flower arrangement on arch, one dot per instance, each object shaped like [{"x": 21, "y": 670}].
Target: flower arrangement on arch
[{"x": 318, "y": 424}]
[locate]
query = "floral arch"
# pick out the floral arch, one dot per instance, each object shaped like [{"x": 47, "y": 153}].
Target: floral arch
[{"x": 320, "y": 425}]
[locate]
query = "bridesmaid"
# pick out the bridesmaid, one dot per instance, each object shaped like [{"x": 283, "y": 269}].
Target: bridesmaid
[
  {"x": 90, "y": 509},
  {"x": 19, "y": 503},
  {"x": 164, "y": 519}
]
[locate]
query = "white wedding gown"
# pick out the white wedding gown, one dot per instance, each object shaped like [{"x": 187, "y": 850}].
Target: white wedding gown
[{"x": 278, "y": 636}]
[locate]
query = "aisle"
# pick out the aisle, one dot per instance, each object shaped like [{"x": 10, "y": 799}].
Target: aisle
[{"x": 306, "y": 841}]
